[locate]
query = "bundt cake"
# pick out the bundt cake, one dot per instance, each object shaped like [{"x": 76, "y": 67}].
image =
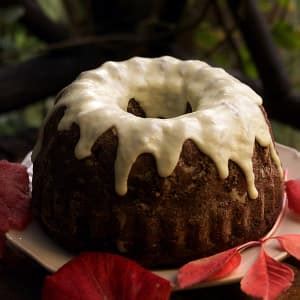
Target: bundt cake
[{"x": 161, "y": 160}]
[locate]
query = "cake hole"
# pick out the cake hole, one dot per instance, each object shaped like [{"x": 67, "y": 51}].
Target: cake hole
[
  {"x": 136, "y": 109},
  {"x": 188, "y": 108}
]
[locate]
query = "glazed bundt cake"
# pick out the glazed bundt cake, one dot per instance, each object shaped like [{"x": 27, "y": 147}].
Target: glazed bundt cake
[{"x": 161, "y": 160}]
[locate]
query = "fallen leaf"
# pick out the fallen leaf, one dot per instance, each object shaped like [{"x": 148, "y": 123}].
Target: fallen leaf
[
  {"x": 290, "y": 243},
  {"x": 103, "y": 276},
  {"x": 267, "y": 278},
  {"x": 213, "y": 267},
  {"x": 15, "y": 198},
  {"x": 292, "y": 188}
]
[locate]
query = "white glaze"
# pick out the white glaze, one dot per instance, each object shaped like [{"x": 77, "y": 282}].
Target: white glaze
[{"x": 225, "y": 122}]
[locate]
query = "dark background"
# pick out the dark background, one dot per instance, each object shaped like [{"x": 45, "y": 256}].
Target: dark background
[{"x": 45, "y": 44}]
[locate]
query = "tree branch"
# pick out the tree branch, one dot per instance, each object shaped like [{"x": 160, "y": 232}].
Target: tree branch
[
  {"x": 38, "y": 22},
  {"x": 284, "y": 110},
  {"x": 195, "y": 20},
  {"x": 219, "y": 45},
  {"x": 46, "y": 74},
  {"x": 115, "y": 16},
  {"x": 172, "y": 10},
  {"x": 41, "y": 25},
  {"x": 229, "y": 33},
  {"x": 261, "y": 46}
]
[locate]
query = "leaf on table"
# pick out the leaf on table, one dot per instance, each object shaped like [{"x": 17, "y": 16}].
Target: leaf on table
[
  {"x": 103, "y": 276},
  {"x": 290, "y": 243},
  {"x": 267, "y": 278},
  {"x": 15, "y": 200},
  {"x": 292, "y": 188},
  {"x": 209, "y": 268}
]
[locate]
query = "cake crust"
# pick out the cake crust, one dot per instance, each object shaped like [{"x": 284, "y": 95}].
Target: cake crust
[{"x": 161, "y": 221}]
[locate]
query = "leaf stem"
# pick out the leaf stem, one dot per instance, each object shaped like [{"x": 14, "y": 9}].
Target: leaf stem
[{"x": 248, "y": 245}]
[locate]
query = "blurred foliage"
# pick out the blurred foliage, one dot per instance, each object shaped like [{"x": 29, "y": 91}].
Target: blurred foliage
[
  {"x": 286, "y": 35},
  {"x": 208, "y": 36},
  {"x": 16, "y": 43},
  {"x": 283, "y": 17},
  {"x": 286, "y": 135},
  {"x": 30, "y": 117},
  {"x": 55, "y": 10},
  {"x": 209, "y": 40}
]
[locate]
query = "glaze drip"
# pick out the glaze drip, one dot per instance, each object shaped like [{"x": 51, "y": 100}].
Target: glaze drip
[{"x": 225, "y": 121}]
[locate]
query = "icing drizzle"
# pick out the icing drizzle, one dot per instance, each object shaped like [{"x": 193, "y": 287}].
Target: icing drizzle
[{"x": 225, "y": 121}]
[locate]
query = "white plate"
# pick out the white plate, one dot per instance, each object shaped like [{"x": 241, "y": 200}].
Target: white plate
[{"x": 40, "y": 247}]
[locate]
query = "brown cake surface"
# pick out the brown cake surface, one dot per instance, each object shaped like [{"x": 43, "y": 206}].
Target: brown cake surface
[{"x": 160, "y": 221}]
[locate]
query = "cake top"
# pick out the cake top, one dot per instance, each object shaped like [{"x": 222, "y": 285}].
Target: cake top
[{"x": 225, "y": 121}]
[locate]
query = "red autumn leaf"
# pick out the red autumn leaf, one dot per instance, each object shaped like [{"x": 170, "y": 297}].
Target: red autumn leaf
[
  {"x": 292, "y": 188},
  {"x": 267, "y": 278},
  {"x": 14, "y": 198},
  {"x": 208, "y": 268},
  {"x": 230, "y": 266},
  {"x": 290, "y": 243},
  {"x": 99, "y": 276}
]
